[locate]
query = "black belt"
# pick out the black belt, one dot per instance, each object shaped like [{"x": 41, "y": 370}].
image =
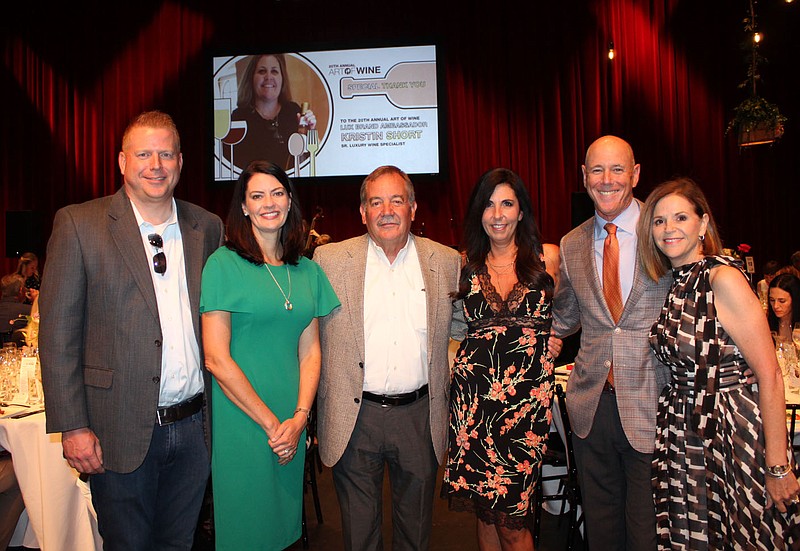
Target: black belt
[
  {"x": 396, "y": 399},
  {"x": 187, "y": 408}
]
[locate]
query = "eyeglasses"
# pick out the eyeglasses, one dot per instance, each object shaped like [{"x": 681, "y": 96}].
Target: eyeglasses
[{"x": 159, "y": 259}]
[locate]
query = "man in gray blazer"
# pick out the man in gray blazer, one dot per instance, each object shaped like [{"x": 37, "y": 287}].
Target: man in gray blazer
[
  {"x": 384, "y": 385},
  {"x": 613, "y": 391},
  {"x": 120, "y": 346}
]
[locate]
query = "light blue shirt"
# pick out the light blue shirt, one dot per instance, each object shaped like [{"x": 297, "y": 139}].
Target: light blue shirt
[
  {"x": 181, "y": 376},
  {"x": 626, "y": 236}
]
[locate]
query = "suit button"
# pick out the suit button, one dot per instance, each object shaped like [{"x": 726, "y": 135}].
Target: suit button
[
  {"x": 156, "y": 379},
  {"x": 607, "y": 363},
  {"x": 356, "y": 400},
  {"x": 158, "y": 343},
  {"x": 617, "y": 330}
]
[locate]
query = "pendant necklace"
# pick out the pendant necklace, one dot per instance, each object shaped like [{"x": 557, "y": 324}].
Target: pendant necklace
[{"x": 288, "y": 303}]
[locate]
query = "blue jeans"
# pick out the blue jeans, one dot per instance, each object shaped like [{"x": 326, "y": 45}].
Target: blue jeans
[{"x": 156, "y": 507}]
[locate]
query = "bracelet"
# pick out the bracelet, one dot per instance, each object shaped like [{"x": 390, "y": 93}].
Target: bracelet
[
  {"x": 305, "y": 411},
  {"x": 778, "y": 471}
]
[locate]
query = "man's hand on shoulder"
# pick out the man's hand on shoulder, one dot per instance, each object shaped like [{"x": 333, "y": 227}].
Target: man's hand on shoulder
[{"x": 82, "y": 450}]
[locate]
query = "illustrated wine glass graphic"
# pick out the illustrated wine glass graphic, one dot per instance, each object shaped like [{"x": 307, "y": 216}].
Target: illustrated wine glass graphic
[
  {"x": 222, "y": 126},
  {"x": 235, "y": 135}
]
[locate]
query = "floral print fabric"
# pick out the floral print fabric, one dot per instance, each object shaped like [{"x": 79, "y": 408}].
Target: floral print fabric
[{"x": 502, "y": 386}]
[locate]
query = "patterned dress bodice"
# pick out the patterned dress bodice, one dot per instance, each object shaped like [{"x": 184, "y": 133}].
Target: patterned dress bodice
[
  {"x": 689, "y": 339},
  {"x": 524, "y": 306}
]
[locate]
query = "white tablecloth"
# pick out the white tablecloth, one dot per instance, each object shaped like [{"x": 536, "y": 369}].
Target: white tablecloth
[{"x": 57, "y": 502}]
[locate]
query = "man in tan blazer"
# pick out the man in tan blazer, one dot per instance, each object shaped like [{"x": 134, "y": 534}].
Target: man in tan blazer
[
  {"x": 384, "y": 386},
  {"x": 120, "y": 344},
  {"x": 613, "y": 391}
]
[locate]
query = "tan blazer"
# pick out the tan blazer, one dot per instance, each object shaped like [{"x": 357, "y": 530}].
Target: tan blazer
[
  {"x": 342, "y": 335},
  {"x": 638, "y": 375},
  {"x": 100, "y": 335}
]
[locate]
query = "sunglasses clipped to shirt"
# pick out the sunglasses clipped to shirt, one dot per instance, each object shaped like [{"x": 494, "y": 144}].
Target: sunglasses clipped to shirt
[{"x": 159, "y": 259}]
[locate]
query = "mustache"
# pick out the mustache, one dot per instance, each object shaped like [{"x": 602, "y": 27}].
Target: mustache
[{"x": 388, "y": 219}]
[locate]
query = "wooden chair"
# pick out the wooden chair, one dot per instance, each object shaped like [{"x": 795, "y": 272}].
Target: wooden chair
[{"x": 569, "y": 491}]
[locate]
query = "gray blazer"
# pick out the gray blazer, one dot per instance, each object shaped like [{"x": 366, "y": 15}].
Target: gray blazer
[
  {"x": 638, "y": 375},
  {"x": 342, "y": 335},
  {"x": 100, "y": 336}
]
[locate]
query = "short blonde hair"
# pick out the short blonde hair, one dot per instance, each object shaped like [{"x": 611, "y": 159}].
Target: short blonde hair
[
  {"x": 654, "y": 262},
  {"x": 152, "y": 119}
]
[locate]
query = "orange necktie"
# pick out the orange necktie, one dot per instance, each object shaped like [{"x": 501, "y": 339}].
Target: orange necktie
[{"x": 611, "y": 286}]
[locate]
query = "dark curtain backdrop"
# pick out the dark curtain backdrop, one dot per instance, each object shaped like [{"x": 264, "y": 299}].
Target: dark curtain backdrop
[{"x": 528, "y": 87}]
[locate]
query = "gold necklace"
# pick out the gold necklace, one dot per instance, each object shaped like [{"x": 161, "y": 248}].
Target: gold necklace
[
  {"x": 497, "y": 267},
  {"x": 288, "y": 303}
]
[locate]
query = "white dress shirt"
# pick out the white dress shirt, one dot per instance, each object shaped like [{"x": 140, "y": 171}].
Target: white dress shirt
[
  {"x": 181, "y": 377},
  {"x": 395, "y": 322},
  {"x": 626, "y": 236}
]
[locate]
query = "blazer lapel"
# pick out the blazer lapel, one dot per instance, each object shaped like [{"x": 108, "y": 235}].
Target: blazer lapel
[
  {"x": 128, "y": 240},
  {"x": 354, "y": 292},
  {"x": 592, "y": 275},
  {"x": 192, "y": 239},
  {"x": 430, "y": 275}
]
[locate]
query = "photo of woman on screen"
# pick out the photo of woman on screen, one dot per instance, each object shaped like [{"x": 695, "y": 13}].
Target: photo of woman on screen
[{"x": 265, "y": 103}]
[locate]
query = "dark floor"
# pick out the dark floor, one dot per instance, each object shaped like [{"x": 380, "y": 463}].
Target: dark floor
[{"x": 451, "y": 531}]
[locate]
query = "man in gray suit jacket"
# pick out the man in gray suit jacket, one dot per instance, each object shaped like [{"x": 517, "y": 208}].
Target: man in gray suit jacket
[
  {"x": 120, "y": 347},
  {"x": 613, "y": 391},
  {"x": 384, "y": 386}
]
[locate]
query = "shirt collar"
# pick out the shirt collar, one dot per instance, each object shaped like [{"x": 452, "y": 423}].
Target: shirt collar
[
  {"x": 142, "y": 223},
  {"x": 626, "y": 221},
  {"x": 401, "y": 255}
]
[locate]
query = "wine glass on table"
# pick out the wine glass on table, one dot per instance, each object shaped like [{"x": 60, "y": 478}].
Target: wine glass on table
[
  {"x": 782, "y": 347},
  {"x": 796, "y": 335}
]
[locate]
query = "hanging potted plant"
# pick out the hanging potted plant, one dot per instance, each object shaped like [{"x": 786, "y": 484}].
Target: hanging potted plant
[{"x": 756, "y": 121}]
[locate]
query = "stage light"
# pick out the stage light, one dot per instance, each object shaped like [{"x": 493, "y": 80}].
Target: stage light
[
  {"x": 611, "y": 53},
  {"x": 757, "y": 37}
]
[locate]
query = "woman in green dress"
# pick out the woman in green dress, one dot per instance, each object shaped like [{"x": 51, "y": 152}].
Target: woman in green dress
[{"x": 260, "y": 303}]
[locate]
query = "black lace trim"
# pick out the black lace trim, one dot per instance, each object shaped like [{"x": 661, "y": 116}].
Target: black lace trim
[
  {"x": 496, "y": 302},
  {"x": 485, "y": 513}
]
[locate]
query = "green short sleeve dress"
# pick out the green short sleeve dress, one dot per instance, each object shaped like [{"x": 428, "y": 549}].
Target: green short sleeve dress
[{"x": 257, "y": 502}]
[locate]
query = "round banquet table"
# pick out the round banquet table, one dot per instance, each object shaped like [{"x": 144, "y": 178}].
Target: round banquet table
[{"x": 57, "y": 502}]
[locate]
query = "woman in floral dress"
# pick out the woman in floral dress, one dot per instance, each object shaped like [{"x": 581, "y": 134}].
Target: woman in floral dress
[
  {"x": 502, "y": 377},
  {"x": 722, "y": 468}
]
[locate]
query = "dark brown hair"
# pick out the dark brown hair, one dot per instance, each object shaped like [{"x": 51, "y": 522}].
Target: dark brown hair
[
  {"x": 239, "y": 230},
  {"x": 529, "y": 267}
]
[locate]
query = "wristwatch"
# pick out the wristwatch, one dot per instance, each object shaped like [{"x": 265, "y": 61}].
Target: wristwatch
[{"x": 778, "y": 471}]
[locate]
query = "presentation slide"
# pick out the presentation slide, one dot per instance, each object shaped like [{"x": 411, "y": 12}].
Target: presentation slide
[{"x": 327, "y": 113}]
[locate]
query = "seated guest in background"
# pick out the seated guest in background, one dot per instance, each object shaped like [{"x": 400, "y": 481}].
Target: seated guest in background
[
  {"x": 28, "y": 267},
  {"x": 502, "y": 376},
  {"x": 259, "y": 288},
  {"x": 12, "y": 304},
  {"x": 784, "y": 304},
  {"x": 723, "y": 467},
  {"x": 795, "y": 260},
  {"x": 11, "y": 504},
  {"x": 762, "y": 287}
]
